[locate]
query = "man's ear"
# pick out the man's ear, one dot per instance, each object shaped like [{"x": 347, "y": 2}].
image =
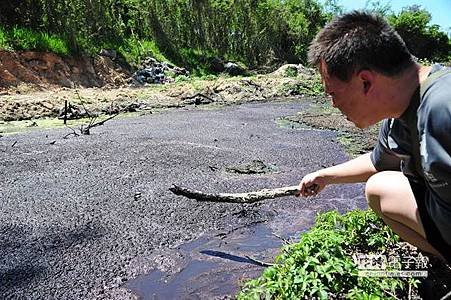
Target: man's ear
[{"x": 367, "y": 78}]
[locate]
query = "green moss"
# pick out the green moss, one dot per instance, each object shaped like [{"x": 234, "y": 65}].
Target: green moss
[
  {"x": 289, "y": 124},
  {"x": 14, "y": 127}
]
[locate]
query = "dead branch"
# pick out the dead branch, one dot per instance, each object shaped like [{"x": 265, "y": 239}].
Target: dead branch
[
  {"x": 250, "y": 82},
  {"x": 261, "y": 263},
  {"x": 447, "y": 296},
  {"x": 71, "y": 133},
  {"x": 198, "y": 95},
  {"x": 284, "y": 240},
  {"x": 45, "y": 106},
  {"x": 86, "y": 130},
  {"x": 250, "y": 197}
]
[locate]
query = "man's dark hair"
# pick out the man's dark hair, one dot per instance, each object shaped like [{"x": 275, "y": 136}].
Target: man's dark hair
[{"x": 357, "y": 41}]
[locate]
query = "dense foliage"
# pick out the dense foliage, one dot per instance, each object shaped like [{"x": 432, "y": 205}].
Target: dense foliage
[
  {"x": 423, "y": 40},
  {"x": 190, "y": 32},
  {"x": 320, "y": 265},
  {"x": 251, "y": 31}
]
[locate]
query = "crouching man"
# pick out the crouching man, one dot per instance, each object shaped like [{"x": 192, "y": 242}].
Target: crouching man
[{"x": 371, "y": 76}]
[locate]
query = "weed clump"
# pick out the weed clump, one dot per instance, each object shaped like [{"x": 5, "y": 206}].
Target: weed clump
[{"x": 321, "y": 264}]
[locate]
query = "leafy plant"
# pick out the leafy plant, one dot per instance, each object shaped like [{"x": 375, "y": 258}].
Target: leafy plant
[
  {"x": 291, "y": 72},
  {"x": 310, "y": 86},
  {"x": 320, "y": 265}
]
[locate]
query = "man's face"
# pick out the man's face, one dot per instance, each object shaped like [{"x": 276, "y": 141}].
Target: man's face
[{"x": 351, "y": 98}]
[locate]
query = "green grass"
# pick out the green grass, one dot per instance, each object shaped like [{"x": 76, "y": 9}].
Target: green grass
[
  {"x": 320, "y": 265},
  {"x": 18, "y": 38},
  {"x": 26, "y": 39},
  {"x": 134, "y": 50},
  {"x": 4, "y": 40},
  {"x": 196, "y": 60}
]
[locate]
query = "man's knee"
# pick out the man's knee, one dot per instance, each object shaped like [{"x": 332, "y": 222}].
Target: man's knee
[
  {"x": 374, "y": 189},
  {"x": 383, "y": 188}
]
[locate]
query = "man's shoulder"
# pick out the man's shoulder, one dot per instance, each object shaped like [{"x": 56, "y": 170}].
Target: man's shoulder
[
  {"x": 436, "y": 97},
  {"x": 434, "y": 113},
  {"x": 438, "y": 81}
]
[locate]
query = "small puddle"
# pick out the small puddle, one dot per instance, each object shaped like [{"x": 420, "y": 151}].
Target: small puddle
[
  {"x": 214, "y": 266},
  {"x": 158, "y": 285}
]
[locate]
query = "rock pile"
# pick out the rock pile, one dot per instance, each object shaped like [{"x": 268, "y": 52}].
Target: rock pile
[
  {"x": 293, "y": 69},
  {"x": 152, "y": 71}
]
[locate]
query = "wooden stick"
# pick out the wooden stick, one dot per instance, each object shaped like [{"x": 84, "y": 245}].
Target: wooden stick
[
  {"x": 261, "y": 263},
  {"x": 250, "y": 197}
]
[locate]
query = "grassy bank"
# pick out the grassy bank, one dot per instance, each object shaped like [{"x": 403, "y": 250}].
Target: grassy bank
[
  {"x": 18, "y": 38},
  {"x": 21, "y": 39}
]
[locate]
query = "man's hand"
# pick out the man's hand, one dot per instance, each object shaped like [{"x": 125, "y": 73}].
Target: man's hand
[
  {"x": 357, "y": 170},
  {"x": 311, "y": 185}
]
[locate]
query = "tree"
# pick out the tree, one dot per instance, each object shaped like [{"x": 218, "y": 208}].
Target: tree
[
  {"x": 423, "y": 40},
  {"x": 378, "y": 7}
]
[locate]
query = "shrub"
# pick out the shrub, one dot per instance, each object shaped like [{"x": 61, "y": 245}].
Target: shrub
[
  {"x": 291, "y": 72},
  {"x": 320, "y": 265},
  {"x": 134, "y": 50}
]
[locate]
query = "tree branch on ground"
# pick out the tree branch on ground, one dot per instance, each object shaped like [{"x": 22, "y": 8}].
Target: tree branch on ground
[
  {"x": 71, "y": 133},
  {"x": 85, "y": 129},
  {"x": 198, "y": 95},
  {"x": 250, "y": 197},
  {"x": 92, "y": 124},
  {"x": 284, "y": 240},
  {"x": 261, "y": 263}
]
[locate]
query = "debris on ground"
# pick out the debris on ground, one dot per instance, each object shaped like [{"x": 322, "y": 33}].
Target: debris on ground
[
  {"x": 254, "y": 167},
  {"x": 72, "y": 112},
  {"x": 151, "y": 71}
]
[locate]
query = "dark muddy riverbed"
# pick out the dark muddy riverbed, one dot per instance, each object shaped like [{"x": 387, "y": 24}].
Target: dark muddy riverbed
[{"x": 92, "y": 217}]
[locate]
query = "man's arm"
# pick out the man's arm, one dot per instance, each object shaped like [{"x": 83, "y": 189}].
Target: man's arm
[{"x": 356, "y": 170}]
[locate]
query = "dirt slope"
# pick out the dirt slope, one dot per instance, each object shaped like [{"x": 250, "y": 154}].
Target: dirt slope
[{"x": 43, "y": 69}]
